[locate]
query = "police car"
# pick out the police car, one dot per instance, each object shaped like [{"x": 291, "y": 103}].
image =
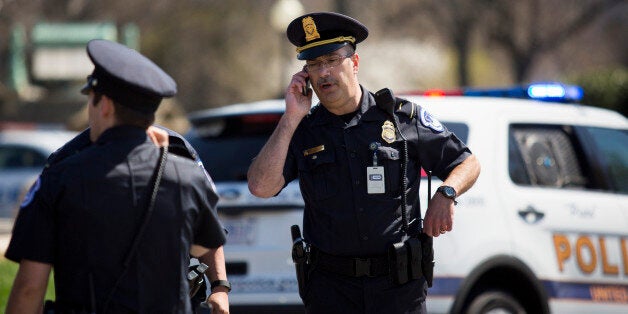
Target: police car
[{"x": 544, "y": 229}]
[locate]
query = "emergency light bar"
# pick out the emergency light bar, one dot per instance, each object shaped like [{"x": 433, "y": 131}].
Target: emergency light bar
[{"x": 555, "y": 92}]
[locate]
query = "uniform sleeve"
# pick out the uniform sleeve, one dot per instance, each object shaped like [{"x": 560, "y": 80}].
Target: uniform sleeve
[
  {"x": 209, "y": 232},
  {"x": 34, "y": 229},
  {"x": 439, "y": 149},
  {"x": 290, "y": 168}
]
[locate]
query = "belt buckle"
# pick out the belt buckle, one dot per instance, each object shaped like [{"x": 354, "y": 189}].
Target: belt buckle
[{"x": 362, "y": 267}]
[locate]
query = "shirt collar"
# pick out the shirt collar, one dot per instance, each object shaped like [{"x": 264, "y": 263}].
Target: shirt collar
[{"x": 122, "y": 132}]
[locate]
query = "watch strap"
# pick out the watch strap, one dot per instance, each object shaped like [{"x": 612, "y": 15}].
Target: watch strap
[
  {"x": 442, "y": 189},
  {"x": 223, "y": 283}
]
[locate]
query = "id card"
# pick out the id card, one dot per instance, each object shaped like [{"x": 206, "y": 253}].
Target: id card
[{"x": 375, "y": 180}]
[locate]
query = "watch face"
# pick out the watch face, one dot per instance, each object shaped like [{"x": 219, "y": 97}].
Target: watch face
[{"x": 449, "y": 191}]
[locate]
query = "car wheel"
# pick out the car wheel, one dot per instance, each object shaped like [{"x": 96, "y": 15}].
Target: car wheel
[{"x": 495, "y": 302}]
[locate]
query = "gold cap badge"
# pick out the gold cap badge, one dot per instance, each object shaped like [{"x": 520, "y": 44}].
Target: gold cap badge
[
  {"x": 309, "y": 27},
  {"x": 388, "y": 132}
]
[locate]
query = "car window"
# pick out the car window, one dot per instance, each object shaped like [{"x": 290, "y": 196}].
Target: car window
[
  {"x": 16, "y": 156},
  {"x": 545, "y": 155},
  {"x": 460, "y": 129},
  {"x": 227, "y": 145},
  {"x": 612, "y": 145},
  {"x": 563, "y": 156}
]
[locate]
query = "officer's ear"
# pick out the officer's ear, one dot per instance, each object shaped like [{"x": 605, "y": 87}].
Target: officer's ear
[
  {"x": 107, "y": 109},
  {"x": 355, "y": 59}
]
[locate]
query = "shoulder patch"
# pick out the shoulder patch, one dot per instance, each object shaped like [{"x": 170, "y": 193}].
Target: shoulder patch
[
  {"x": 31, "y": 193},
  {"x": 428, "y": 121}
]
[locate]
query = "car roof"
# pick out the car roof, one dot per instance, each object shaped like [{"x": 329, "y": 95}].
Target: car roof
[
  {"x": 519, "y": 110},
  {"x": 256, "y": 107},
  {"x": 48, "y": 140}
]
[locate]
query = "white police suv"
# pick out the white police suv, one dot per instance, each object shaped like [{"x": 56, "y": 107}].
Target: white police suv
[{"x": 544, "y": 229}]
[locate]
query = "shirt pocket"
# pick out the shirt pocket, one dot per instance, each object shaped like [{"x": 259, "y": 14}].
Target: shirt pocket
[
  {"x": 318, "y": 174},
  {"x": 389, "y": 157}
]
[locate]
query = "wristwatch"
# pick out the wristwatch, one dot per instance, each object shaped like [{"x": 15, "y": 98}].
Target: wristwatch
[
  {"x": 223, "y": 283},
  {"x": 448, "y": 192}
]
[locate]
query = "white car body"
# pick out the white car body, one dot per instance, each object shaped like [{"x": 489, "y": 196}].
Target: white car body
[{"x": 578, "y": 250}]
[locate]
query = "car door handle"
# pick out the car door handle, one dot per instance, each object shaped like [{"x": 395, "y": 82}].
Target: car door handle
[{"x": 531, "y": 215}]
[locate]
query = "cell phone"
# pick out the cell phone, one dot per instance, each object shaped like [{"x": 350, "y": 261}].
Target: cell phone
[
  {"x": 306, "y": 87},
  {"x": 307, "y": 83}
]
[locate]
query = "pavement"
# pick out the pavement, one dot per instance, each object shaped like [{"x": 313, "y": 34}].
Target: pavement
[{"x": 6, "y": 225}]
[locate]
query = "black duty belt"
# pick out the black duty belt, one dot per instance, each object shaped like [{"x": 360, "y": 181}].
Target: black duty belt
[{"x": 351, "y": 266}]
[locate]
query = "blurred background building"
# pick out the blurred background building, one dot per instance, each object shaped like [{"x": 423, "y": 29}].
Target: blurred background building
[{"x": 223, "y": 52}]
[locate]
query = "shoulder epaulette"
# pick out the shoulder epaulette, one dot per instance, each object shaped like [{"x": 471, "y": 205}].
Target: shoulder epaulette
[
  {"x": 177, "y": 146},
  {"x": 406, "y": 107}
]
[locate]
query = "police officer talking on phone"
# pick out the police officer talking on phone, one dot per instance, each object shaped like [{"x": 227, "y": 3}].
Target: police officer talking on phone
[
  {"x": 117, "y": 220},
  {"x": 357, "y": 155}
]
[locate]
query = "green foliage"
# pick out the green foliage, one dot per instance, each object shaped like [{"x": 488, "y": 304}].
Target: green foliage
[
  {"x": 605, "y": 88},
  {"x": 8, "y": 269}
]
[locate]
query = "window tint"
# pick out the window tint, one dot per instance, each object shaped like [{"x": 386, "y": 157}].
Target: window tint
[
  {"x": 228, "y": 159},
  {"x": 611, "y": 146},
  {"x": 460, "y": 129},
  {"x": 237, "y": 126},
  {"x": 568, "y": 157},
  {"x": 516, "y": 166},
  {"x": 15, "y": 157},
  {"x": 227, "y": 145},
  {"x": 545, "y": 155}
]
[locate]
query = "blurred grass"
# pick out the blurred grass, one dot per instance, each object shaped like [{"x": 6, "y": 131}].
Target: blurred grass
[{"x": 8, "y": 269}]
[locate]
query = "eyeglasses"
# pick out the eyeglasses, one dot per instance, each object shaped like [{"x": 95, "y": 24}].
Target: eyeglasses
[{"x": 327, "y": 63}]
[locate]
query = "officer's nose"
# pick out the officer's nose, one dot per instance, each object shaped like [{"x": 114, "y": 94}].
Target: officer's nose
[{"x": 324, "y": 72}]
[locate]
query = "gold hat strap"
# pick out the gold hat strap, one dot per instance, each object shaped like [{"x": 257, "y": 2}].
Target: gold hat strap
[{"x": 350, "y": 39}]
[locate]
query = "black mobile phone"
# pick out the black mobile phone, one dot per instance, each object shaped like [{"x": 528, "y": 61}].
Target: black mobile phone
[
  {"x": 306, "y": 87},
  {"x": 307, "y": 83}
]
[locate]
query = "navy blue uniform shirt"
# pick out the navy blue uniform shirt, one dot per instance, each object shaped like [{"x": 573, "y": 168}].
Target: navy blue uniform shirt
[
  {"x": 340, "y": 217},
  {"x": 83, "y": 212}
]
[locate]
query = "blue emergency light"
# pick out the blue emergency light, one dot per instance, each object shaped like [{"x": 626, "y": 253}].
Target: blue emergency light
[
  {"x": 555, "y": 92},
  {"x": 549, "y": 91}
]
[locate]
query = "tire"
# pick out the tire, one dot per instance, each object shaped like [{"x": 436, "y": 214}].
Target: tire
[{"x": 495, "y": 302}]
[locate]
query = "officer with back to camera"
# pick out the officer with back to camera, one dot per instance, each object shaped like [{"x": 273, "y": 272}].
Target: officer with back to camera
[
  {"x": 89, "y": 215},
  {"x": 348, "y": 153}
]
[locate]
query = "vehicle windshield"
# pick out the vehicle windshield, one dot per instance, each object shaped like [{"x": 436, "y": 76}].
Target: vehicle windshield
[{"x": 614, "y": 154}]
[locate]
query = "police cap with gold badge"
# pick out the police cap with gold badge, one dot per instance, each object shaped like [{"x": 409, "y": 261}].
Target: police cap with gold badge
[
  {"x": 319, "y": 33},
  {"x": 127, "y": 77}
]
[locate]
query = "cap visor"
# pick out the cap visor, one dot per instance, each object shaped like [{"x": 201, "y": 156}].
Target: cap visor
[
  {"x": 318, "y": 51},
  {"x": 85, "y": 89}
]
